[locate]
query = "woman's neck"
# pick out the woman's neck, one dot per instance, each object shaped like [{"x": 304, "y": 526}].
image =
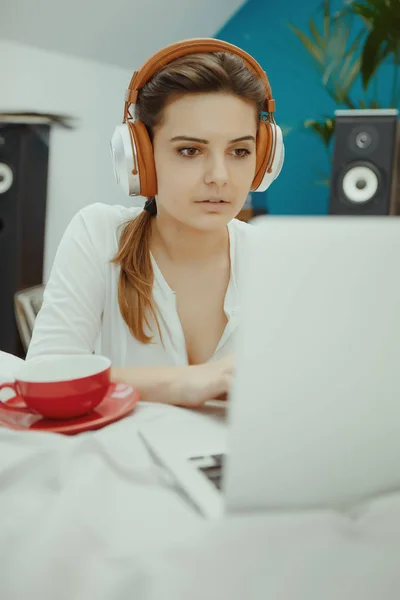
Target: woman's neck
[{"x": 184, "y": 244}]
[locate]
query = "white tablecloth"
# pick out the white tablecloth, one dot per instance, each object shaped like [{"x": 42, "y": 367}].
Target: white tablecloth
[{"x": 91, "y": 517}]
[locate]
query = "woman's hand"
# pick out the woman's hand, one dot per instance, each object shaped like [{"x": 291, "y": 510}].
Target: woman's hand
[
  {"x": 200, "y": 383},
  {"x": 189, "y": 386}
]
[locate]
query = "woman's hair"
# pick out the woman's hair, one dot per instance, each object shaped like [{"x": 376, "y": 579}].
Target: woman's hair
[{"x": 191, "y": 74}]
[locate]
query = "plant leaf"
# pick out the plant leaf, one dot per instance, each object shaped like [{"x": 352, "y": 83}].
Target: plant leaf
[
  {"x": 309, "y": 45},
  {"x": 323, "y": 129},
  {"x": 350, "y": 77},
  {"x": 371, "y": 57},
  {"x": 327, "y": 18},
  {"x": 317, "y": 37}
]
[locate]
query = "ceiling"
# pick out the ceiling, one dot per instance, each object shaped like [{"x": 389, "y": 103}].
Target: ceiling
[{"x": 117, "y": 32}]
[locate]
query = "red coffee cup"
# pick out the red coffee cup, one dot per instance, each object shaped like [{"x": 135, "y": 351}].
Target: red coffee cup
[{"x": 61, "y": 386}]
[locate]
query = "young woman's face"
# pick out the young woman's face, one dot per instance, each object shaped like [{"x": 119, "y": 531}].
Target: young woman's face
[{"x": 205, "y": 157}]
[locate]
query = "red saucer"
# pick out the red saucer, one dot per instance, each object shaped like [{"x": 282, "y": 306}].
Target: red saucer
[{"x": 118, "y": 402}]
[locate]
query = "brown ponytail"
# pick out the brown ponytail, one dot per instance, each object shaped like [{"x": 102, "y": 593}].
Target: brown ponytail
[
  {"x": 136, "y": 278},
  {"x": 191, "y": 74}
]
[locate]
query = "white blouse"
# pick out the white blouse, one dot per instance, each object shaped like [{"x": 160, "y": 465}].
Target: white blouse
[{"x": 80, "y": 312}]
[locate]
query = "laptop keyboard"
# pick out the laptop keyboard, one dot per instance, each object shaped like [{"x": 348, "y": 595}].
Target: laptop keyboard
[{"x": 211, "y": 466}]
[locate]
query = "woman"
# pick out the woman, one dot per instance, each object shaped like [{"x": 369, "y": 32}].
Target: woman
[{"x": 156, "y": 289}]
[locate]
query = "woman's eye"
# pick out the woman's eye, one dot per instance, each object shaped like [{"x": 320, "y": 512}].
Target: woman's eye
[
  {"x": 191, "y": 152},
  {"x": 188, "y": 151},
  {"x": 241, "y": 152}
]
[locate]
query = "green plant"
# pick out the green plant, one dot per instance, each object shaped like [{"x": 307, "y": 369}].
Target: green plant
[
  {"x": 341, "y": 56},
  {"x": 327, "y": 50},
  {"x": 381, "y": 19}
]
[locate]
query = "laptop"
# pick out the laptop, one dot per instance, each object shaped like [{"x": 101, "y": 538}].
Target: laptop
[{"x": 313, "y": 418}]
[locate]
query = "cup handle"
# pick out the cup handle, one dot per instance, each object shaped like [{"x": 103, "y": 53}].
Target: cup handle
[{"x": 4, "y": 406}]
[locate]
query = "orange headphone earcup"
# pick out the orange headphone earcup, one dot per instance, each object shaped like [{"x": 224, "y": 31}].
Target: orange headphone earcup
[
  {"x": 145, "y": 156},
  {"x": 263, "y": 152}
]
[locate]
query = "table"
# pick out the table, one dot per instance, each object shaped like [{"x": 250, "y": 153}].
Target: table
[{"x": 92, "y": 517}]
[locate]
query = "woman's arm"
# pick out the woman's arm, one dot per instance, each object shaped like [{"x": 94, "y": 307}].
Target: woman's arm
[
  {"x": 189, "y": 386},
  {"x": 70, "y": 317}
]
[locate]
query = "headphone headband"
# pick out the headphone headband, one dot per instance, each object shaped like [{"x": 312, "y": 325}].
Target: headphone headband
[{"x": 192, "y": 46}]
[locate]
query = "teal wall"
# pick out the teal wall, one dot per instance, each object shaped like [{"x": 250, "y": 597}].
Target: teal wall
[{"x": 261, "y": 28}]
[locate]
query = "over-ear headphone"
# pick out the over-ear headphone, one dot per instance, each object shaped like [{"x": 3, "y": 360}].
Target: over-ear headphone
[{"x": 131, "y": 146}]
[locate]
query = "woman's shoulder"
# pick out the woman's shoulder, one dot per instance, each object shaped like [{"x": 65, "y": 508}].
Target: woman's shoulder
[
  {"x": 240, "y": 235},
  {"x": 107, "y": 215},
  {"x": 102, "y": 222},
  {"x": 98, "y": 226},
  {"x": 241, "y": 229}
]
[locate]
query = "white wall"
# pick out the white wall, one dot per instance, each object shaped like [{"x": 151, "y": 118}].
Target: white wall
[
  {"x": 80, "y": 169},
  {"x": 111, "y": 32}
]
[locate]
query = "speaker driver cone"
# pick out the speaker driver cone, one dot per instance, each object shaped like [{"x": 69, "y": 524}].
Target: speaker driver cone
[
  {"x": 6, "y": 178},
  {"x": 360, "y": 184}
]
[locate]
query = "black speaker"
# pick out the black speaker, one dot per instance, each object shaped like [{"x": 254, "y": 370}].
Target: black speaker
[
  {"x": 365, "y": 165},
  {"x": 24, "y": 150}
]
